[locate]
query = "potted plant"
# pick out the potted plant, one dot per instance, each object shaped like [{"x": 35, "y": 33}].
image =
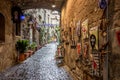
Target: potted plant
[
  {"x": 33, "y": 46},
  {"x": 21, "y": 47}
]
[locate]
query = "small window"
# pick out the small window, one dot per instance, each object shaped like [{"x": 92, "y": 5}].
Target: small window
[{"x": 2, "y": 28}]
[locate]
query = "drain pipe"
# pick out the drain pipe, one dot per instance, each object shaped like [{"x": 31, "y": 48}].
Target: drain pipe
[{"x": 105, "y": 69}]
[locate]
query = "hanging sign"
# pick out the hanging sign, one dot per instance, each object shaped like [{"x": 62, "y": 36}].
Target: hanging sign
[
  {"x": 85, "y": 50},
  {"x": 92, "y": 41},
  {"x": 94, "y": 37},
  {"x": 102, "y": 4},
  {"x": 78, "y": 48},
  {"x": 118, "y": 37},
  {"x": 78, "y": 31},
  {"x": 85, "y": 29}
]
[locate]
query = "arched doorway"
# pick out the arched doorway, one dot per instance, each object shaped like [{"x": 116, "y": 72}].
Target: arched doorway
[{"x": 2, "y": 28}]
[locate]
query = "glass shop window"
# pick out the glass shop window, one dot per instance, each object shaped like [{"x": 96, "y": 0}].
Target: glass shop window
[{"x": 2, "y": 28}]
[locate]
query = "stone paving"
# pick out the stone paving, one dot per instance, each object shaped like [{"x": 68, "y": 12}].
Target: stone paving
[{"x": 40, "y": 66}]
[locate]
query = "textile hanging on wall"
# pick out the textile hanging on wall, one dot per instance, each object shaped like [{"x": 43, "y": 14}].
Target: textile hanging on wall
[
  {"x": 85, "y": 29},
  {"x": 78, "y": 48},
  {"x": 94, "y": 37},
  {"x": 78, "y": 29},
  {"x": 85, "y": 50},
  {"x": 84, "y": 37}
]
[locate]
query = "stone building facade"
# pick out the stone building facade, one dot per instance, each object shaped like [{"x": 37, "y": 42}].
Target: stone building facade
[
  {"x": 7, "y": 38},
  {"x": 45, "y": 20},
  {"x": 80, "y": 20}
]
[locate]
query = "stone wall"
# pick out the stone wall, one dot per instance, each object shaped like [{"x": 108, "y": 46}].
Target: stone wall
[
  {"x": 7, "y": 48},
  {"x": 107, "y": 22},
  {"x": 114, "y": 59}
]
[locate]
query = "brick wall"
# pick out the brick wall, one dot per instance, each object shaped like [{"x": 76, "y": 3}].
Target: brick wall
[
  {"x": 81, "y": 10},
  {"x": 7, "y": 48}
]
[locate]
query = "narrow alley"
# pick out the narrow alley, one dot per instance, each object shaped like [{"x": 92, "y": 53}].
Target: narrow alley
[
  {"x": 41, "y": 66},
  {"x": 59, "y": 39}
]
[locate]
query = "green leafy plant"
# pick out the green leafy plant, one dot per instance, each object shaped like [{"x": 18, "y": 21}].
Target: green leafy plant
[
  {"x": 33, "y": 46},
  {"x": 22, "y": 45}
]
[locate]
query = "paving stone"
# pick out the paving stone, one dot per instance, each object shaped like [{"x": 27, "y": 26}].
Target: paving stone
[{"x": 40, "y": 66}]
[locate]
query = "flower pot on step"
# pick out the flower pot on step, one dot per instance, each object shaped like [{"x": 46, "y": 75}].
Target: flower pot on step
[{"x": 22, "y": 57}]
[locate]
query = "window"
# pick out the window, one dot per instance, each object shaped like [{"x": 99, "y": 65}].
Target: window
[{"x": 2, "y": 28}]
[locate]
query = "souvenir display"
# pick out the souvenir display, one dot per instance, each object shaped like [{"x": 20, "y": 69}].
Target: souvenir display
[
  {"x": 78, "y": 31},
  {"x": 73, "y": 45},
  {"x": 94, "y": 37},
  {"x": 94, "y": 56},
  {"x": 78, "y": 48},
  {"x": 92, "y": 40},
  {"x": 85, "y": 50},
  {"x": 85, "y": 29}
]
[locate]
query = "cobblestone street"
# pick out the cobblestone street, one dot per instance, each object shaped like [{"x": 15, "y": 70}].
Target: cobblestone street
[{"x": 40, "y": 66}]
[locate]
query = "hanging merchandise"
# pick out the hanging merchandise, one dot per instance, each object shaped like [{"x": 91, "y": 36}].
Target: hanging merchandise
[
  {"x": 85, "y": 50},
  {"x": 78, "y": 48},
  {"x": 85, "y": 29},
  {"x": 94, "y": 37},
  {"x": 78, "y": 31},
  {"x": 95, "y": 67},
  {"x": 94, "y": 64},
  {"x": 91, "y": 57},
  {"x": 102, "y": 4},
  {"x": 73, "y": 44},
  {"x": 92, "y": 41}
]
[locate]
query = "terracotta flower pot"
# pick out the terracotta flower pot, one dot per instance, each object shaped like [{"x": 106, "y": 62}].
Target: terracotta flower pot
[
  {"x": 22, "y": 57},
  {"x": 27, "y": 54}
]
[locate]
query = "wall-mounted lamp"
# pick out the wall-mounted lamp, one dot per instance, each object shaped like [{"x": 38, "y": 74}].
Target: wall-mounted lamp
[{"x": 53, "y": 6}]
